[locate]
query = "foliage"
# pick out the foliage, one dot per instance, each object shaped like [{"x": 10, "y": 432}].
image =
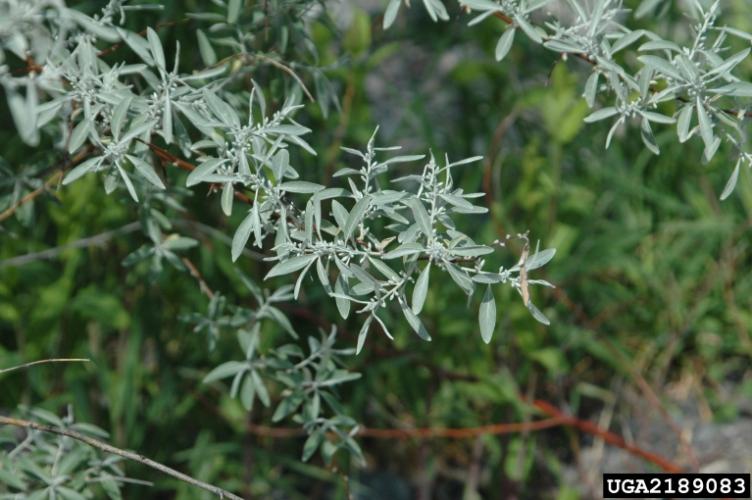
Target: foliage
[
  {"x": 696, "y": 73},
  {"x": 43, "y": 467}
]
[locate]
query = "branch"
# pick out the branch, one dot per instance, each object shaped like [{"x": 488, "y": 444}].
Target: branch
[
  {"x": 287, "y": 70},
  {"x": 96, "y": 240},
  {"x": 607, "y": 436},
  {"x": 54, "y": 178},
  {"x": 5, "y": 214},
  {"x": 193, "y": 270},
  {"x": 168, "y": 157},
  {"x": 44, "y": 361},
  {"x": 557, "y": 418},
  {"x": 107, "y": 448},
  {"x": 421, "y": 433}
]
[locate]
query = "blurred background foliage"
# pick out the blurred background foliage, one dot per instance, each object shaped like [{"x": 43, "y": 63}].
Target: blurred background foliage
[{"x": 651, "y": 314}]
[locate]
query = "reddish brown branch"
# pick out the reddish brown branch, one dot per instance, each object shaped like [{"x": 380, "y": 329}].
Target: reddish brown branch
[
  {"x": 463, "y": 433},
  {"x": 53, "y": 179},
  {"x": 421, "y": 433},
  {"x": 170, "y": 158},
  {"x": 193, "y": 271},
  {"x": 557, "y": 418},
  {"x": 607, "y": 436}
]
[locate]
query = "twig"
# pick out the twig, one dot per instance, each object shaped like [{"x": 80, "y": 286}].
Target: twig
[
  {"x": 607, "y": 436},
  {"x": 44, "y": 361},
  {"x": 90, "y": 241},
  {"x": 108, "y": 448},
  {"x": 54, "y": 178},
  {"x": 193, "y": 270},
  {"x": 494, "y": 148},
  {"x": 463, "y": 433},
  {"x": 649, "y": 393},
  {"x": 557, "y": 418},
  {"x": 339, "y": 133},
  {"x": 207, "y": 230},
  {"x": 168, "y": 157},
  {"x": 5, "y": 214},
  {"x": 421, "y": 433},
  {"x": 289, "y": 71}
]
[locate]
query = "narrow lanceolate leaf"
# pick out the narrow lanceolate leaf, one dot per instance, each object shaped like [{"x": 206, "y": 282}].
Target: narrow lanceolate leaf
[
  {"x": 128, "y": 183},
  {"x": 537, "y": 314},
  {"x": 228, "y": 194},
  {"x": 261, "y": 391},
  {"x": 299, "y": 281},
  {"x": 205, "y": 49},
  {"x": 340, "y": 214},
  {"x": 601, "y": 114},
  {"x": 564, "y": 47},
  {"x": 290, "y": 265},
  {"x": 487, "y": 315},
  {"x": 167, "y": 121},
  {"x": 646, "y": 133},
  {"x": 308, "y": 221},
  {"x": 356, "y": 216},
  {"x": 363, "y": 334},
  {"x": 78, "y": 136},
  {"x": 481, "y": 4},
  {"x": 301, "y": 187},
  {"x": 240, "y": 239},
  {"x": 460, "y": 277},
  {"x": 540, "y": 259},
  {"x": 225, "y": 370},
  {"x": 391, "y": 13},
  {"x": 657, "y": 117},
  {"x": 737, "y": 89},
  {"x": 384, "y": 269},
  {"x": 233, "y": 12},
  {"x": 471, "y": 251},
  {"x": 312, "y": 444},
  {"x": 731, "y": 184},
  {"x": 137, "y": 44},
  {"x": 729, "y": 64},
  {"x": 146, "y": 171},
  {"x": 203, "y": 171},
  {"x": 256, "y": 224},
  {"x": 504, "y": 44},
  {"x": 706, "y": 126},
  {"x": 415, "y": 322},
  {"x": 81, "y": 169},
  {"x": 119, "y": 115},
  {"x": 323, "y": 275},
  {"x": 409, "y": 248},
  {"x": 683, "y": 123},
  {"x": 155, "y": 45},
  {"x": 662, "y": 66},
  {"x": 421, "y": 216},
  {"x": 529, "y": 29},
  {"x": 626, "y": 40},
  {"x": 341, "y": 289},
  {"x": 457, "y": 201},
  {"x": 421, "y": 289},
  {"x": 591, "y": 88}
]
